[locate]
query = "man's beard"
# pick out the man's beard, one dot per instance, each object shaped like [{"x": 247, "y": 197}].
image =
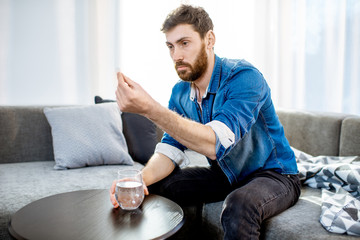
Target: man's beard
[{"x": 196, "y": 71}]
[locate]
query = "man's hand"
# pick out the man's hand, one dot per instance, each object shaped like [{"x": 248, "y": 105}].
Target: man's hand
[{"x": 131, "y": 97}]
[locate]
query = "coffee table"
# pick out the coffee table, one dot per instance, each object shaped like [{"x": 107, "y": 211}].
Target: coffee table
[{"x": 88, "y": 214}]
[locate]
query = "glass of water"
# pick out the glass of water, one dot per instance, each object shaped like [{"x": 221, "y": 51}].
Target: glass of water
[{"x": 129, "y": 191}]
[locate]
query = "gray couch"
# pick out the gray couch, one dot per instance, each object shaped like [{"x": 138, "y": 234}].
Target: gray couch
[{"x": 27, "y": 173}]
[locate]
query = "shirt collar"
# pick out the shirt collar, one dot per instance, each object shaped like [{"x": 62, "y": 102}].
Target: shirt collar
[
  {"x": 214, "y": 81},
  {"x": 215, "y": 77}
]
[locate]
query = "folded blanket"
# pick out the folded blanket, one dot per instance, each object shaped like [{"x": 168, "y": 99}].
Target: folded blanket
[{"x": 339, "y": 179}]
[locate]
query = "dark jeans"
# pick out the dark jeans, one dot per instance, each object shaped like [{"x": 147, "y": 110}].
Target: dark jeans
[{"x": 262, "y": 195}]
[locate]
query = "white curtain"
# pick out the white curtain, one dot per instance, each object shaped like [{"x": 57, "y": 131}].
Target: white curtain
[
  {"x": 65, "y": 51},
  {"x": 57, "y": 51},
  {"x": 310, "y": 53}
]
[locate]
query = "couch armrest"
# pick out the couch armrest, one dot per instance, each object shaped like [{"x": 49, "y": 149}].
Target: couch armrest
[{"x": 350, "y": 137}]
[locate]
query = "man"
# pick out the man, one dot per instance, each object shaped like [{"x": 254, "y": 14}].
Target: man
[{"x": 222, "y": 109}]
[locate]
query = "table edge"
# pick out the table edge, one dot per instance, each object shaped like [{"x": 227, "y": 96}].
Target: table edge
[{"x": 17, "y": 236}]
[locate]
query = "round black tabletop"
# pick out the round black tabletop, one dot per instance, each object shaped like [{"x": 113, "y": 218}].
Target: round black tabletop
[{"x": 88, "y": 214}]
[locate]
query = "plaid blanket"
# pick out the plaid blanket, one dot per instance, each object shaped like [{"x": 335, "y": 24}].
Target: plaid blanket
[{"x": 339, "y": 179}]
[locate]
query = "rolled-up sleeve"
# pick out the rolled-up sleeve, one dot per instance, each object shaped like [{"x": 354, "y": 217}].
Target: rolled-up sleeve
[
  {"x": 224, "y": 136},
  {"x": 176, "y": 155}
]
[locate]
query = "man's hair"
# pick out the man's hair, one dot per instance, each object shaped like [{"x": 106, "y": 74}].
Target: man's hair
[{"x": 187, "y": 14}]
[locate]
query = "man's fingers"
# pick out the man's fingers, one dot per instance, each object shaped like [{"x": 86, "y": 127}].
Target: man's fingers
[
  {"x": 128, "y": 80},
  {"x": 113, "y": 186},
  {"x": 113, "y": 201},
  {"x": 121, "y": 79},
  {"x": 146, "y": 191},
  {"x": 112, "y": 194},
  {"x": 121, "y": 92},
  {"x": 118, "y": 96}
]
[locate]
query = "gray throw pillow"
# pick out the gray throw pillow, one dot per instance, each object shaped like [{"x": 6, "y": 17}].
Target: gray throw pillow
[{"x": 87, "y": 136}]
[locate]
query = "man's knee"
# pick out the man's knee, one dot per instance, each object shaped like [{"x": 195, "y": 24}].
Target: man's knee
[
  {"x": 240, "y": 216},
  {"x": 239, "y": 201}
]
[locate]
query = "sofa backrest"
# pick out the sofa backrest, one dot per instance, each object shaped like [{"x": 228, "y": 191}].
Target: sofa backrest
[
  {"x": 25, "y": 135},
  {"x": 315, "y": 133}
]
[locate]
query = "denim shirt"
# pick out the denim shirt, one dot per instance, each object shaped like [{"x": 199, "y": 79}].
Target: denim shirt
[{"x": 238, "y": 107}]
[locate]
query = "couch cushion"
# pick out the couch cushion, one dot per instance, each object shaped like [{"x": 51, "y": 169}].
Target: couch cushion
[
  {"x": 314, "y": 133},
  {"x": 350, "y": 137},
  {"x": 87, "y": 136},
  {"x": 23, "y": 183},
  {"x": 298, "y": 222},
  {"x": 24, "y": 134}
]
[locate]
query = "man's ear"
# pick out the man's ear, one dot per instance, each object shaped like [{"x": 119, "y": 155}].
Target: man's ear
[{"x": 210, "y": 39}]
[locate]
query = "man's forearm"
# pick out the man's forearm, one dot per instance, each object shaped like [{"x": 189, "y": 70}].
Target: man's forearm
[
  {"x": 158, "y": 167},
  {"x": 131, "y": 97},
  {"x": 193, "y": 135}
]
